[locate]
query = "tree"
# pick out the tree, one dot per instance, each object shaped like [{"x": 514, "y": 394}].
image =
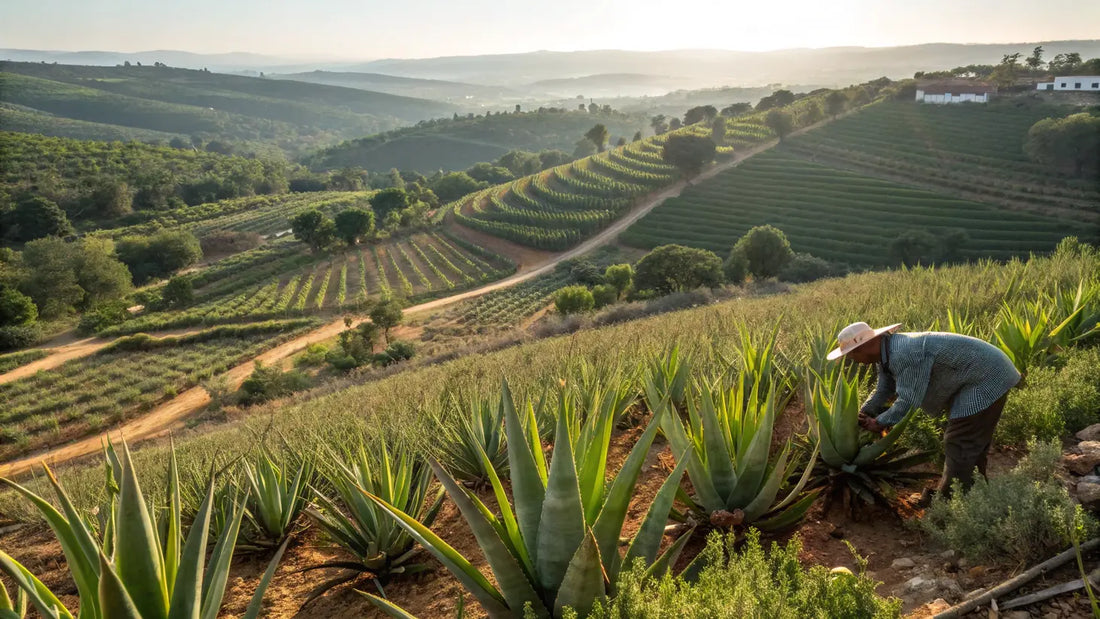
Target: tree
[
  {"x": 593, "y": 108},
  {"x": 778, "y": 98},
  {"x": 779, "y": 121},
  {"x": 620, "y": 277},
  {"x": 489, "y": 173},
  {"x": 178, "y": 292},
  {"x": 1035, "y": 60},
  {"x": 99, "y": 272},
  {"x": 573, "y": 300},
  {"x": 520, "y": 163},
  {"x": 637, "y": 136},
  {"x": 1070, "y": 143},
  {"x": 386, "y": 314},
  {"x": 805, "y": 268},
  {"x": 737, "y": 109},
  {"x": 598, "y": 136},
  {"x": 35, "y": 217},
  {"x": 313, "y": 228},
  {"x": 454, "y": 185},
  {"x": 675, "y": 268},
  {"x": 914, "y": 247},
  {"x": 112, "y": 199},
  {"x": 700, "y": 113},
  {"x": 835, "y": 103},
  {"x": 659, "y": 124},
  {"x": 718, "y": 130},
  {"x": 689, "y": 153},
  {"x": 517, "y": 108},
  {"x": 674, "y": 124},
  {"x": 766, "y": 251},
  {"x": 736, "y": 267},
  {"x": 620, "y": 142},
  {"x": 50, "y": 279},
  {"x": 352, "y": 224},
  {"x": 604, "y": 295},
  {"x": 553, "y": 158},
  {"x": 16, "y": 308},
  {"x": 1065, "y": 63},
  {"x": 393, "y": 199}
]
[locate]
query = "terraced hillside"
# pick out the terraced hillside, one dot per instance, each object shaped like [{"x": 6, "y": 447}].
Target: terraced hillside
[
  {"x": 972, "y": 150},
  {"x": 281, "y": 279},
  {"x": 835, "y": 214},
  {"x": 560, "y": 207}
]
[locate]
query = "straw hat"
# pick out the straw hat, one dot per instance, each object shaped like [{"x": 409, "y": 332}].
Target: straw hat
[{"x": 855, "y": 335}]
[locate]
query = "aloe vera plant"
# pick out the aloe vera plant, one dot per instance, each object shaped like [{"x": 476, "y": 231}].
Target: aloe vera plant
[
  {"x": 10, "y": 609},
  {"x": 555, "y": 544},
  {"x": 380, "y": 547},
  {"x": 670, "y": 374},
  {"x": 477, "y": 426},
  {"x": 277, "y": 497},
  {"x": 867, "y": 466},
  {"x": 725, "y": 442},
  {"x": 128, "y": 570}
]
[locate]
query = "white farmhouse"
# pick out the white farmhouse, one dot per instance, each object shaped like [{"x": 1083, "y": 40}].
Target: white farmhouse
[
  {"x": 1087, "y": 83},
  {"x": 955, "y": 92}
]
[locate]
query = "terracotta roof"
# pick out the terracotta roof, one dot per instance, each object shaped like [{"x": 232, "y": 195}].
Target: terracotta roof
[{"x": 956, "y": 88}]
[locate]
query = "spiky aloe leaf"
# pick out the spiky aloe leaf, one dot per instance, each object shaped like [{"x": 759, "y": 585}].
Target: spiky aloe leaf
[
  {"x": 647, "y": 541},
  {"x": 609, "y": 524},
  {"x": 114, "y": 599},
  {"x": 766, "y": 494},
  {"x": 217, "y": 571},
  {"x": 719, "y": 460},
  {"x": 175, "y": 526},
  {"x": 511, "y": 578},
  {"x": 508, "y": 517},
  {"x": 39, "y": 595},
  {"x": 673, "y": 430},
  {"x": 789, "y": 516},
  {"x": 489, "y": 597},
  {"x": 187, "y": 589},
  {"x": 868, "y": 453},
  {"x": 752, "y": 459},
  {"x": 528, "y": 486},
  {"x": 592, "y": 468},
  {"x": 668, "y": 558},
  {"x": 561, "y": 525},
  {"x": 138, "y": 563},
  {"x": 584, "y": 579}
]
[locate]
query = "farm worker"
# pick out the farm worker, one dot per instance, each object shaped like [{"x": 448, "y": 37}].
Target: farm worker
[{"x": 936, "y": 372}]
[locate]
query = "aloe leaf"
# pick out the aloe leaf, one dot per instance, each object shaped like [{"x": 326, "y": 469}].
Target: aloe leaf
[
  {"x": 511, "y": 578},
  {"x": 584, "y": 579},
  {"x": 561, "y": 526},
  {"x": 700, "y": 478},
  {"x": 507, "y": 516},
  {"x": 255, "y": 605},
  {"x": 807, "y": 475},
  {"x": 668, "y": 558},
  {"x": 719, "y": 462},
  {"x": 766, "y": 494},
  {"x": 187, "y": 590},
  {"x": 528, "y": 487},
  {"x": 593, "y": 467},
  {"x": 387, "y": 606},
  {"x": 610, "y": 521},
  {"x": 476, "y": 583},
  {"x": 73, "y": 536},
  {"x": 175, "y": 526},
  {"x": 753, "y": 463},
  {"x": 647, "y": 541},
  {"x": 114, "y": 599},
  {"x": 790, "y": 516},
  {"x": 139, "y": 565},
  {"x": 40, "y": 596},
  {"x": 872, "y": 451},
  {"x": 217, "y": 571}
]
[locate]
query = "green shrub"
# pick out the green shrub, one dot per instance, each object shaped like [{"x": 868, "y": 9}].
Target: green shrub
[
  {"x": 20, "y": 336},
  {"x": 736, "y": 267},
  {"x": 573, "y": 300},
  {"x": 749, "y": 582},
  {"x": 106, "y": 315},
  {"x": 396, "y": 352},
  {"x": 1015, "y": 517},
  {"x": 1054, "y": 401},
  {"x": 270, "y": 382},
  {"x": 604, "y": 295},
  {"x": 804, "y": 268},
  {"x": 766, "y": 249},
  {"x": 313, "y": 356}
]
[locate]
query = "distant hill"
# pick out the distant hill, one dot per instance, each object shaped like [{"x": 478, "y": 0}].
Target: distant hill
[
  {"x": 459, "y": 93},
  {"x": 293, "y": 115},
  {"x": 459, "y": 143}
]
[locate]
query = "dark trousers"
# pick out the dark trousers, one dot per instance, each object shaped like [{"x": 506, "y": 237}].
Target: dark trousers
[{"x": 966, "y": 443}]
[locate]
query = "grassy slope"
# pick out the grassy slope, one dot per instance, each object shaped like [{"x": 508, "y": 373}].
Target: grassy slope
[
  {"x": 456, "y": 145},
  {"x": 401, "y": 405},
  {"x": 215, "y": 105}
]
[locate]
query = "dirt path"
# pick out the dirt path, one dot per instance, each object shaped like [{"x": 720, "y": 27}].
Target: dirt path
[{"x": 172, "y": 414}]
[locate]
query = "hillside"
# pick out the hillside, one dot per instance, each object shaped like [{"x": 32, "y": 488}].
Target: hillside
[
  {"x": 292, "y": 115},
  {"x": 464, "y": 95},
  {"x": 846, "y": 191},
  {"x": 458, "y": 143}
]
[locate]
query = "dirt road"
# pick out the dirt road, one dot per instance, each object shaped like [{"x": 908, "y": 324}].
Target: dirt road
[{"x": 172, "y": 414}]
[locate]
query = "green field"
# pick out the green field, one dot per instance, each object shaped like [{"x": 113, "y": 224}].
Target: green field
[
  {"x": 91, "y": 393},
  {"x": 281, "y": 279},
  {"x": 976, "y": 151},
  {"x": 835, "y": 214}
]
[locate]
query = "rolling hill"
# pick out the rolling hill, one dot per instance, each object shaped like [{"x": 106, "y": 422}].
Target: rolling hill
[
  {"x": 293, "y": 115},
  {"x": 462, "y": 94}
]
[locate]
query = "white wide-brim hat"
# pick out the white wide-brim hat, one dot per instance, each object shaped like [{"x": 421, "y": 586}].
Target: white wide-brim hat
[{"x": 855, "y": 335}]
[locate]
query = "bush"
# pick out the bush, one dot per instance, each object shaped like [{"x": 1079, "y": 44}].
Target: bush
[
  {"x": 159, "y": 255},
  {"x": 178, "y": 292},
  {"x": 270, "y": 382},
  {"x": 313, "y": 356},
  {"x": 19, "y": 336},
  {"x": 736, "y": 267},
  {"x": 804, "y": 268},
  {"x": 1054, "y": 401},
  {"x": 16, "y": 308},
  {"x": 396, "y": 352},
  {"x": 1015, "y": 517},
  {"x": 604, "y": 295},
  {"x": 766, "y": 250},
  {"x": 573, "y": 300},
  {"x": 106, "y": 315},
  {"x": 748, "y": 582}
]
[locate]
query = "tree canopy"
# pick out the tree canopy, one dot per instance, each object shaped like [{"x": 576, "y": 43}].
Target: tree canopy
[
  {"x": 1071, "y": 143},
  {"x": 689, "y": 153},
  {"x": 766, "y": 251},
  {"x": 353, "y": 223},
  {"x": 675, "y": 268}
]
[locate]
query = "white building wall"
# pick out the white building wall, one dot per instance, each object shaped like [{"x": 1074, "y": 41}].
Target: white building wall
[{"x": 1087, "y": 83}]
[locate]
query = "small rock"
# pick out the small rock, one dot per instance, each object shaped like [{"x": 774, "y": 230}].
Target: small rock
[
  {"x": 948, "y": 554},
  {"x": 1092, "y": 479},
  {"x": 903, "y": 563},
  {"x": 1088, "y": 494},
  {"x": 1052, "y": 615},
  {"x": 727, "y": 520},
  {"x": 937, "y": 606},
  {"x": 1085, "y": 462},
  {"x": 1091, "y": 433},
  {"x": 949, "y": 585},
  {"x": 918, "y": 583},
  {"x": 1016, "y": 614}
]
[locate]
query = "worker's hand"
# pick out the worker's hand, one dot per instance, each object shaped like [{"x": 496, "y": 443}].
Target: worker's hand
[{"x": 870, "y": 424}]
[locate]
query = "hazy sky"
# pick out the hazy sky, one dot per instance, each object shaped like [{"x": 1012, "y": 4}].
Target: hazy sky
[{"x": 421, "y": 28}]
